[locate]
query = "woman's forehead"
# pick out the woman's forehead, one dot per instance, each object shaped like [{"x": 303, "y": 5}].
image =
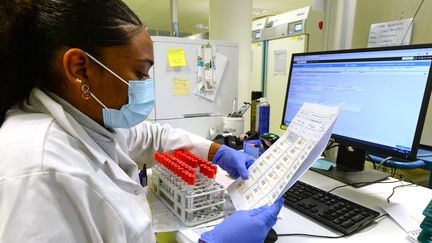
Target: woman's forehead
[{"x": 140, "y": 47}]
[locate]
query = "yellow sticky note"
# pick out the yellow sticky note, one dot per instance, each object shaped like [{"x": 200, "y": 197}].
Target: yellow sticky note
[
  {"x": 181, "y": 87},
  {"x": 176, "y": 57}
]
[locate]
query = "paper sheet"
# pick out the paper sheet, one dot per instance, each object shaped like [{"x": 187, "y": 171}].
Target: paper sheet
[
  {"x": 277, "y": 169},
  {"x": 166, "y": 221},
  {"x": 394, "y": 33},
  {"x": 409, "y": 221},
  {"x": 280, "y": 62},
  {"x": 163, "y": 219}
]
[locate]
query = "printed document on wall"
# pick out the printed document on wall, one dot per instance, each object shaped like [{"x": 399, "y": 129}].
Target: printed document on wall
[
  {"x": 281, "y": 165},
  {"x": 280, "y": 62},
  {"x": 394, "y": 33}
]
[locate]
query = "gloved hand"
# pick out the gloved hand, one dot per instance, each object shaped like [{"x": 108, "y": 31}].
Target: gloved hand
[
  {"x": 232, "y": 161},
  {"x": 245, "y": 226}
]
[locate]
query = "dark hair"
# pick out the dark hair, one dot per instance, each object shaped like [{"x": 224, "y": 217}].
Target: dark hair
[{"x": 31, "y": 31}]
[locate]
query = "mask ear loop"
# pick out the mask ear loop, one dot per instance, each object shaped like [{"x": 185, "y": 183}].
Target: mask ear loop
[{"x": 106, "y": 68}]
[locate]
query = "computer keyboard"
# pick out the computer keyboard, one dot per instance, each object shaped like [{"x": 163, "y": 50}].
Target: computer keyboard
[{"x": 338, "y": 213}]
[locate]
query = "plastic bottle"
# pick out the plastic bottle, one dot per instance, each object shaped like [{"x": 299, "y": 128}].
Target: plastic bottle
[{"x": 263, "y": 116}]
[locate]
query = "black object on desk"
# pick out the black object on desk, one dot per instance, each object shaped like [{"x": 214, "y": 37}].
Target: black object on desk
[
  {"x": 229, "y": 140},
  {"x": 338, "y": 213},
  {"x": 268, "y": 139},
  {"x": 271, "y": 236}
]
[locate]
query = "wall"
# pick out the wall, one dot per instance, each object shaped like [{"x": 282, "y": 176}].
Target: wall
[
  {"x": 339, "y": 19},
  {"x": 232, "y": 21},
  {"x": 373, "y": 11}
]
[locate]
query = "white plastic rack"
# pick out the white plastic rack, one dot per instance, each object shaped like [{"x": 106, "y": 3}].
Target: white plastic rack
[{"x": 185, "y": 184}]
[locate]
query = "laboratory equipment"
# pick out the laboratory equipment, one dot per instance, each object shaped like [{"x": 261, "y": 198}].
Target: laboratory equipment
[
  {"x": 241, "y": 111},
  {"x": 384, "y": 93},
  {"x": 186, "y": 184},
  {"x": 274, "y": 39},
  {"x": 233, "y": 125},
  {"x": 333, "y": 211}
]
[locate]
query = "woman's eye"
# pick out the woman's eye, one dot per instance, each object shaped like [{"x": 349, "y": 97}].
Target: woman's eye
[{"x": 141, "y": 75}]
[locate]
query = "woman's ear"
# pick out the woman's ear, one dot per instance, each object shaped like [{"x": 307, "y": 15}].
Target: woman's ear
[{"x": 76, "y": 64}]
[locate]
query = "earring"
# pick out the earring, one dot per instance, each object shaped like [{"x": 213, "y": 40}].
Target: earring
[
  {"x": 85, "y": 91},
  {"x": 78, "y": 80}
]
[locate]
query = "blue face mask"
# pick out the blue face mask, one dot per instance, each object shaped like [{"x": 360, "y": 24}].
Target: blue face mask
[{"x": 140, "y": 103}]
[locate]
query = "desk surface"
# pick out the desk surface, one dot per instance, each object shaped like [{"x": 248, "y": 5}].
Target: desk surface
[{"x": 414, "y": 199}]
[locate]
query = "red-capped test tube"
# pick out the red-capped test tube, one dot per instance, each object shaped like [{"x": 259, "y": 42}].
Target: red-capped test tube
[
  {"x": 179, "y": 173},
  {"x": 207, "y": 169}
]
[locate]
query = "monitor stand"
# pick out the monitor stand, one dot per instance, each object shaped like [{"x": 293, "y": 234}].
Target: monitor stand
[
  {"x": 354, "y": 178},
  {"x": 350, "y": 168}
]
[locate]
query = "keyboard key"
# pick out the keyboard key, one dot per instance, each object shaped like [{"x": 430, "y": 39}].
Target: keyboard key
[
  {"x": 347, "y": 224},
  {"x": 358, "y": 218}
]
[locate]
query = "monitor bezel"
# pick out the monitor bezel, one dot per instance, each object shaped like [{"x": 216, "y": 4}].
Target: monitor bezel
[{"x": 365, "y": 145}]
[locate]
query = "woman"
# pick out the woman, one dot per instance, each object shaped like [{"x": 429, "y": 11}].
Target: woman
[{"x": 75, "y": 85}]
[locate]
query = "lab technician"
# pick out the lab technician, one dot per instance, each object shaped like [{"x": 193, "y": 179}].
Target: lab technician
[{"x": 75, "y": 92}]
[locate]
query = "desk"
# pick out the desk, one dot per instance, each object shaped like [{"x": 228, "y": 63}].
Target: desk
[
  {"x": 416, "y": 198},
  {"x": 385, "y": 229}
]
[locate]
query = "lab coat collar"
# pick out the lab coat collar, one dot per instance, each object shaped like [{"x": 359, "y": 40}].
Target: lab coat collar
[{"x": 43, "y": 103}]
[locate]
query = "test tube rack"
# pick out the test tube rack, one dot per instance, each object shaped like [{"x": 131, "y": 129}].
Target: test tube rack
[{"x": 186, "y": 184}]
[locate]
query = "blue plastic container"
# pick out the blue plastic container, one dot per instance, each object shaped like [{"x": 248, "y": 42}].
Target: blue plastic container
[{"x": 263, "y": 116}]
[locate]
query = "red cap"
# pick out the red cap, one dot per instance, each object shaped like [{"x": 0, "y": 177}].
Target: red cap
[{"x": 191, "y": 180}]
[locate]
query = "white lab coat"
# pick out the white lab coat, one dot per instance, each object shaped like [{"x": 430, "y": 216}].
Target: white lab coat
[{"x": 58, "y": 185}]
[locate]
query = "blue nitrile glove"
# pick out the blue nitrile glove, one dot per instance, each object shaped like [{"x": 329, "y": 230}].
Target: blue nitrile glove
[
  {"x": 232, "y": 161},
  {"x": 245, "y": 226}
]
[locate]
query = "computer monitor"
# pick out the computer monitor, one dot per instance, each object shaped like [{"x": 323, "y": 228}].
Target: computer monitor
[{"x": 384, "y": 92}]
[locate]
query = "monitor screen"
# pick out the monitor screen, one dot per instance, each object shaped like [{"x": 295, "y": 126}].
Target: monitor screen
[{"x": 384, "y": 92}]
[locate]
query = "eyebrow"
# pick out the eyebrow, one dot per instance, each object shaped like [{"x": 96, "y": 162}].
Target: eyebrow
[{"x": 151, "y": 62}]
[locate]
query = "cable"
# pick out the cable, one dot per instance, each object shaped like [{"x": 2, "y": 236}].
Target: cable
[
  {"x": 329, "y": 144},
  {"x": 330, "y": 236},
  {"x": 404, "y": 177},
  {"x": 383, "y": 182},
  {"x": 418, "y": 8},
  {"x": 333, "y": 146},
  {"x": 371, "y": 160},
  {"x": 309, "y": 235},
  {"x": 394, "y": 188},
  {"x": 366, "y": 183},
  {"x": 382, "y": 162}
]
